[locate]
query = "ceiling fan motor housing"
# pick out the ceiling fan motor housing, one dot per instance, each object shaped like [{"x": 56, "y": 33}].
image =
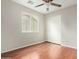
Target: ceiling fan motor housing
[{"x": 47, "y": 1}]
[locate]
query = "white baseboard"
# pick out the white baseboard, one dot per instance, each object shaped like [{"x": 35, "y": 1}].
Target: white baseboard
[
  {"x": 63, "y": 44},
  {"x": 38, "y": 43},
  {"x": 69, "y": 46},
  {"x": 22, "y": 46}
]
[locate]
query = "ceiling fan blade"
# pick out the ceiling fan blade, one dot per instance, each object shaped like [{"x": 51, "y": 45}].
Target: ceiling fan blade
[
  {"x": 39, "y": 5},
  {"x": 58, "y": 5}
]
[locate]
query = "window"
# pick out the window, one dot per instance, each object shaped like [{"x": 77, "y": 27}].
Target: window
[{"x": 29, "y": 24}]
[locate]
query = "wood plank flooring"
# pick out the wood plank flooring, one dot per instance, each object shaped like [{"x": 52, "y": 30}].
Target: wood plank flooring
[{"x": 43, "y": 50}]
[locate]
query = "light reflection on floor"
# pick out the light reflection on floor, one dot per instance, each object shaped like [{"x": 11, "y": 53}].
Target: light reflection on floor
[{"x": 46, "y": 51}]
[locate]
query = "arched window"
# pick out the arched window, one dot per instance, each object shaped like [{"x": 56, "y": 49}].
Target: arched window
[{"x": 29, "y": 24}]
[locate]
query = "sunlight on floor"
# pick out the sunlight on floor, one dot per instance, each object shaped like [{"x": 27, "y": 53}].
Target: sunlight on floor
[
  {"x": 55, "y": 52},
  {"x": 31, "y": 56}
]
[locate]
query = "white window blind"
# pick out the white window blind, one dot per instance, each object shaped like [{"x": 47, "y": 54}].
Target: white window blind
[{"x": 29, "y": 24}]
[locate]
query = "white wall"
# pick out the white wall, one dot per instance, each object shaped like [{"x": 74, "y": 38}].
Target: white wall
[
  {"x": 61, "y": 26},
  {"x": 12, "y": 37}
]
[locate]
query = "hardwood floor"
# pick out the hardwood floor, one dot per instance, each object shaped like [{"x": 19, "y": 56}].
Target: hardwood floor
[{"x": 43, "y": 50}]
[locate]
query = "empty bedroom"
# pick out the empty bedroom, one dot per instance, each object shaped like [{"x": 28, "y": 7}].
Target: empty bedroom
[{"x": 38, "y": 29}]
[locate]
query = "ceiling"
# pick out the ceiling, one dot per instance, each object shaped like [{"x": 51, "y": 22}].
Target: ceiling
[{"x": 42, "y": 9}]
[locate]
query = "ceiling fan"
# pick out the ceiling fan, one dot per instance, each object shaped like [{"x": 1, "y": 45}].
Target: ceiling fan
[{"x": 48, "y": 2}]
